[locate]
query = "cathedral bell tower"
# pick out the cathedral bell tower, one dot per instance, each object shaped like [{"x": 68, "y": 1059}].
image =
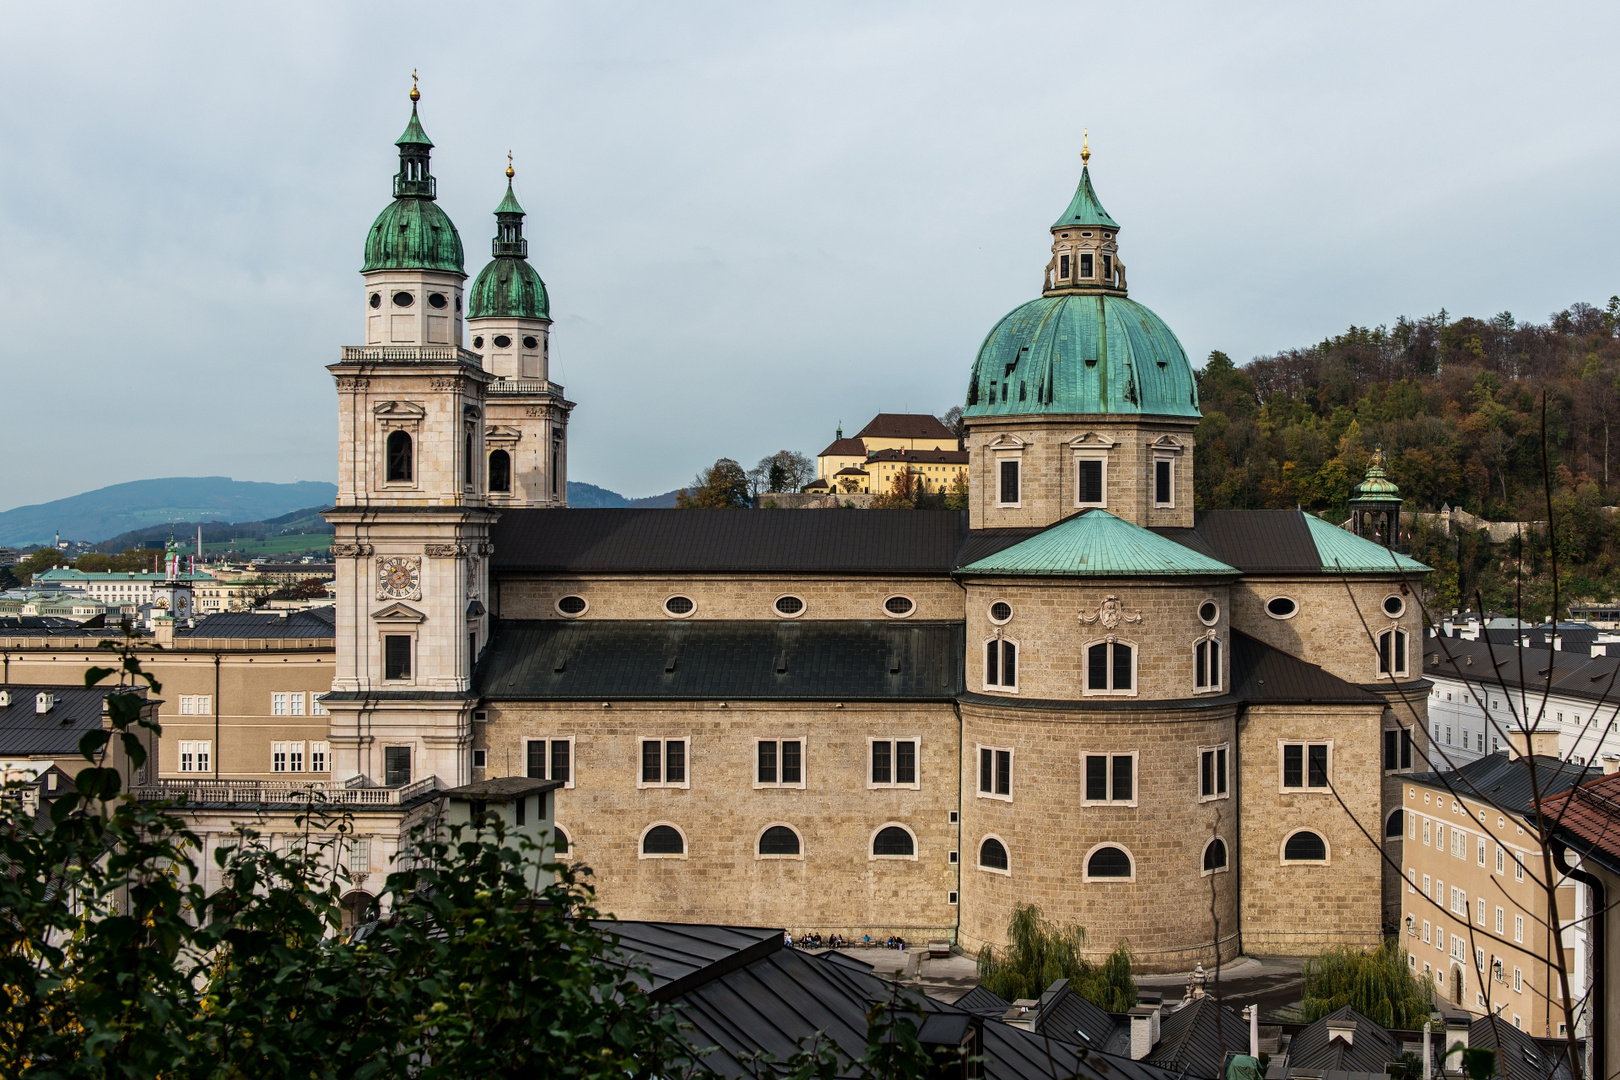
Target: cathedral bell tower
[
  {"x": 509, "y": 315},
  {"x": 412, "y": 521}
]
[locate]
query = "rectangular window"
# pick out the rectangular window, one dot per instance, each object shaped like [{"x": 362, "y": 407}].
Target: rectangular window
[
  {"x": 1411, "y": 880},
  {"x": 1305, "y": 765},
  {"x": 1392, "y": 750},
  {"x": 320, "y": 757},
  {"x": 1085, "y": 264},
  {"x": 1426, "y": 890},
  {"x": 1164, "y": 493},
  {"x": 894, "y": 763},
  {"x": 1518, "y": 929},
  {"x": 1212, "y": 772},
  {"x": 1009, "y": 483},
  {"x": 278, "y": 757},
  {"x": 1518, "y": 987},
  {"x": 1088, "y": 482},
  {"x": 536, "y": 754},
  {"x": 1207, "y": 665},
  {"x": 480, "y": 759},
  {"x": 1501, "y": 859},
  {"x": 1500, "y": 921},
  {"x": 1406, "y": 748},
  {"x": 779, "y": 763},
  {"x": 195, "y": 756},
  {"x": 995, "y": 772},
  {"x": 1479, "y": 913},
  {"x": 1000, "y": 664},
  {"x": 396, "y": 765},
  {"x": 315, "y": 706},
  {"x": 1426, "y": 940},
  {"x": 295, "y": 757},
  {"x": 278, "y": 704},
  {"x": 663, "y": 763},
  {"x": 1111, "y": 779},
  {"x": 1479, "y": 855},
  {"x": 396, "y": 656},
  {"x": 297, "y": 703},
  {"x": 1108, "y": 267},
  {"x": 1063, "y": 267},
  {"x": 1518, "y": 868},
  {"x": 1425, "y": 831}
]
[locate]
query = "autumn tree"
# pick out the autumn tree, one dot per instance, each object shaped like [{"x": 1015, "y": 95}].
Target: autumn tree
[{"x": 722, "y": 486}]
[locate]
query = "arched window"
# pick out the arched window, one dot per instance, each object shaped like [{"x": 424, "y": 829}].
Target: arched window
[
  {"x": 562, "y": 843},
  {"x": 663, "y": 840},
  {"x": 1001, "y": 664},
  {"x": 779, "y": 840},
  {"x": 1108, "y": 861},
  {"x": 1395, "y": 824},
  {"x": 1305, "y": 846},
  {"x": 400, "y": 458},
  {"x": 1207, "y": 664},
  {"x": 1214, "y": 855},
  {"x": 500, "y": 471},
  {"x": 993, "y": 854},
  {"x": 1110, "y": 668},
  {"x": 1392, "y": 652},
  {"x": 894, "y": 842}
]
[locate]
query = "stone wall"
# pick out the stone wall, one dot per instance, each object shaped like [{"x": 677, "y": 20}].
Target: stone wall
[{"x": 1330, "y": 629}]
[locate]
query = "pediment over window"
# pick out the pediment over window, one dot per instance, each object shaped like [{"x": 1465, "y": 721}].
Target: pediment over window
[
  {"x": 500, "y": 433},
  {"x": 1168, "y": 443},
  {"x": 398, "y": 614},
  {"x": 1006, "y": 442},
  {"x": 1092, "y": 440},
  {"x": 399, "y": 409}
]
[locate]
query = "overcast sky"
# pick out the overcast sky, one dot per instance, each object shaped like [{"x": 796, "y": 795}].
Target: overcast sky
[{"x": 754, "y": 219}]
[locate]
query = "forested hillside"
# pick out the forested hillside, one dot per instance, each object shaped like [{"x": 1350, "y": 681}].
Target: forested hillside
[{"x": 1457, "y": 405}]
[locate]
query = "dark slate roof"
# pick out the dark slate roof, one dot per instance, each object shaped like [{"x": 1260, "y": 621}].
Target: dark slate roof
[
  {"x": 1504, "y": 666},
  {"x": 982, "y": 543},
  {"x": 718, "y": 541},
  {"x": 938, "y": 457},
  {"x": 313, "y": 623},
  {"x": 50, "y": 626},
  {"x": 984, "y": 1003},
  {"x": 501, "y": 788},
  {"x": 1263, "y": 674},
  {"x": 1064, "y": 1014},
  {"x": 1370, "y": 1050},
  {"x": 679, "y": 955},
  {"x": 1504, "y": 781},
  {"x": 588, "y": 659},
  {"x": 1191, "y": 1039},
  {"x": 1518, "y": 1055},
  {"x": 1254, "y": 541},
  {"x": 78, "y": 709}
]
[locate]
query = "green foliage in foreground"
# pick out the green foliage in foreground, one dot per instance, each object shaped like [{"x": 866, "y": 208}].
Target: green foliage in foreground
[
  {"x": 1375, "y": 983},
  {"x": 1039, "y": 953}
]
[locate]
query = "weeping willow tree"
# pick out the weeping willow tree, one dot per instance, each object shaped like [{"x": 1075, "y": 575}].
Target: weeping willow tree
[
  {"x": 1375, "y": 983},
  {"x": 1039, "y": 953}
]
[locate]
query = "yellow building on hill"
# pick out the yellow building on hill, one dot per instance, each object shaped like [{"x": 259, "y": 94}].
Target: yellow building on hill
[{"x": 868, "y": 463}]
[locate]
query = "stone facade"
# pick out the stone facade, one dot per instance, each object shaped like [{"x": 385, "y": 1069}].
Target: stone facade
[{"x": 730, "y": 596}]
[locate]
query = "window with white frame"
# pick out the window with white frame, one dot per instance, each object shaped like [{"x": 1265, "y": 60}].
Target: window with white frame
[
  {"x": 1392, "y": 652},
  {"x": 296, "y": 701},
  {"x": 663, "y": 763},
  {"x": 1110, "y": 667},
  {"x": 196, "y": 756},
  {"x": 1459, "y": 902},
  {"x": 1007, "y": 481},
  {"x": 1091, "y": 479},
  {"x": 320, "y": 757},
  {"x": 1501, "y": 859},
  {"x": 1212, "y": 781},
  {"x": 196, "y": 704},
  {"x": 1397, "y": 749},
  {"x": 1518, "y": 929},
  {"x": 1518, "y": 987},
  {"x": 279, "y": 705},
  {"x": 287, "y": 757},
  {"x": 295, "y": 757},
  {"x": 893, "y": 763},
  {"x": 1459, "y": 843},
  {"x": 1459, "y": 949},
  {"x": 1518, "y": 868},
  {"x": 1306, "y": 765},
  {"x": 1479, "y": 913},
  {"x": 1479, "y": 854},
  {"x": 1207, "y": 665},
  {"x": 995, "y": 772},
  {"x": 1110, "y": 779},
  {"x": 315, "y": 706},
  {"x": 1164, "y": 480},
  {"x": 1001, "y": 664},
  {"x": 779, "y": 763},
  {"x": 1501, "y": 917},
  {"x": 553, "y": 759},
  {"x": 1426, "y": 929}
]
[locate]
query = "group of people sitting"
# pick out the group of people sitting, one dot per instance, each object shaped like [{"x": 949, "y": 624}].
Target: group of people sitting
[{"x": 838, "y": 941}]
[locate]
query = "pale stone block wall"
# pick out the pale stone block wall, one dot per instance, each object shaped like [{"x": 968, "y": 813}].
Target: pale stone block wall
[
  {"x": 728, "y": 596},
  {"x": 836, "y": 886},
  {"x": 1327, "y": 630}
]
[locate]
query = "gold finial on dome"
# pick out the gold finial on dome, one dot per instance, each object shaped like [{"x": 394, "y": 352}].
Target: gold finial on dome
[
  {"x": 1085, "y": 147},
  {"x": 416, "y": 95},
  {"x": 509, "y": 171}
]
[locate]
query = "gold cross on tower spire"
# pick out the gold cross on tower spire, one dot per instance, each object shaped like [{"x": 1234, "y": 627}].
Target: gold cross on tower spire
[
  {"x": 1085, "y": 147},
  {"x": 416, "y": 95},
  {"x": 509, "y": 172}
]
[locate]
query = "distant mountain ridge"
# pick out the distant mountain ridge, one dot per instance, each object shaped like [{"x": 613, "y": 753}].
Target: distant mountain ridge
[
  {"x": 589, "y": 495},
  {"x": 94, "y": 516}
]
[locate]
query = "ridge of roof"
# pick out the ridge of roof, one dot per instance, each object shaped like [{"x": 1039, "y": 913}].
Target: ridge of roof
[
  {"x": 1505, "y": 781},
  {"x": 1344, "y": 551},
  {"x": 1095, "y": 543},
  {"x": 905, "y": 426}
]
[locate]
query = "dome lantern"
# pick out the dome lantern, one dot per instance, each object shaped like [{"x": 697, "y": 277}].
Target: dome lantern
[
  {"x": 508, "y": 287},
  {"x": 412, "y": 232}
]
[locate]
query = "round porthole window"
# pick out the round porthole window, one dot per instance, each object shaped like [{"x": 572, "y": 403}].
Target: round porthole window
[
  {"x": 437, "y": 300},
  {"x": 679, "y": 606},
  {"x": 531, "y": 342},
  {"x": 572, "y": 606},
  {"x": 403, "y": 299},
  {"x": 1394, "y": 606},
  {"x": 1209, "y": 613},
  {"x": 789, "y": 606},
  {"x": 899, "y": 606},
  {"x": 1281, "y": 607},
  {"x": 478, "y": 342},
  {"x": 1000, "y": 612},
  {"x": 502, "y": 341},
  {"x": 376, "y": 299}
]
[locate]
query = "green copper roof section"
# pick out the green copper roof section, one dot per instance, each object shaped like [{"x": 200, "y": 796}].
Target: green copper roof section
[
  {"x": 1342, "y": 551},
  {"x": 509, "y": 205},
  {"x": 1097, "y": 544},
  {"x": 414, "y": 135},
  {"x": 1089, "y": 353},
  {"x": 1084, "y": 209},
  {"x": 1377, "y": 487},
  {"x": 508, "y": 288},
  {"x": 413, "y": 234}
]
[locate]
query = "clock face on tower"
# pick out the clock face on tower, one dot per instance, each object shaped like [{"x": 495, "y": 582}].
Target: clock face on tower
[{"x": 399, "y": 578}]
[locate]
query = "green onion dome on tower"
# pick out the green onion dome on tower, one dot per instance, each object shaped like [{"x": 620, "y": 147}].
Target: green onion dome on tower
[
  {"x": 1083, "y": 346},
  {"x": 413, "y": 233},
  {"x": 508, "y": 287}
]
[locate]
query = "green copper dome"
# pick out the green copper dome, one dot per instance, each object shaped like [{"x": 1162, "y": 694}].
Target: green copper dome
[
  {"x": 413, "y": 233},
  {"x": 1082, "y": 353},
  {"x": 508, "y": 287}
]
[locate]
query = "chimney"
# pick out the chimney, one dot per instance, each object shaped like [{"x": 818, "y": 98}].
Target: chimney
[
  {"x": 5, "y": 699},
  {"x": 1145, "y": 1023},
  {"x": 44, "y": 702},
  {"x": 1456, "y": 1032},
  {"x": 1611, "y": 764},
  {"x": 1254, "y": 1031},
  {"x": 1521, "y": 743},
  {"x": 163, "y": 631}
]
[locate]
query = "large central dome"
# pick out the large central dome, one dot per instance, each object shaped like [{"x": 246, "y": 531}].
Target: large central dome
[
  {"x": 1083, "y": 347},
  {"x": 1082, "y": 353}
]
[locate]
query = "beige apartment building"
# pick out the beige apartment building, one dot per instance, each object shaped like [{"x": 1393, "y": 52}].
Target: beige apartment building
[{"x": 1475, "y": 903}]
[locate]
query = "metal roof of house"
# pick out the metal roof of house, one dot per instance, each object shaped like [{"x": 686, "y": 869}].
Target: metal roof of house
[
  {"x": 316, "y": 622},
  {"x": 1519, "y": 1056},
  {"x": 1505, "y": 781},
  {"x": 1097, "y": 544},
  {"x": 1316, "y": 1049},
  {"x": 1196, "y": 1038},
  {"x": 718, "y": 541},
  {"x": 1509, "y": 667},
  {"x": 1061, "y": 1013},
  {"x": 1286, "y": 542},
  {"x": 602, "y": 659},
  {"x": 27, "y": 733},
  {"x": 1262, "y": 674},
  {"x": 1344, "y": 551}
]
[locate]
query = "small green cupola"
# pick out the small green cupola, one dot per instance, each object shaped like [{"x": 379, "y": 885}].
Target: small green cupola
[
  {"x": 413, "y": 233},
  {"x": 508, "y": 287}
]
